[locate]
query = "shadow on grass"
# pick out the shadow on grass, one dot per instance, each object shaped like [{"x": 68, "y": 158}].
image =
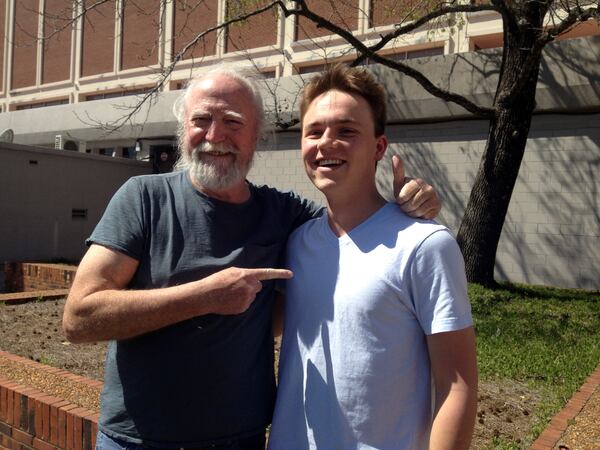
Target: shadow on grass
[{"x": 547, "y": 293}]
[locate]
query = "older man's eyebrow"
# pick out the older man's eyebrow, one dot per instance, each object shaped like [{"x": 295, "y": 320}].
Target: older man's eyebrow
[
  {"x": 234, "y": 115},
  {"x": 230, "y": 114},
  {"x": 200, "y": 113}
]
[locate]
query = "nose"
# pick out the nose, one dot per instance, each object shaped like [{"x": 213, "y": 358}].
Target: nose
[
  {"x": 327, "y": 141},
  {"x": 215, "y": 132}
]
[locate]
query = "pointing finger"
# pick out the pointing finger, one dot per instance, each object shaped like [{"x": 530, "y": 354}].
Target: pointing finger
[{"x": 272, "y": 274}]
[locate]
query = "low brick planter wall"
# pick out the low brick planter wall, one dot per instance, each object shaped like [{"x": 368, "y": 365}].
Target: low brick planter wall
[
  {"x": 32, "y": 419},
  {"x": 25, "y": 277}
]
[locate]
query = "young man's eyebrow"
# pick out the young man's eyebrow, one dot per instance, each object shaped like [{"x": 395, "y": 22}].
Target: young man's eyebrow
[{"x": 337, "y": 121}]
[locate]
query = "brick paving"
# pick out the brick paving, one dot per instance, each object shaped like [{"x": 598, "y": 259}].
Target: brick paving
[{"x": 577, "y": 421}]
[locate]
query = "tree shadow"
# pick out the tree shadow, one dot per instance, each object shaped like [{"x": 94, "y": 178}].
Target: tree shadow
[
  {"x": 434, "y": 152},
  {"x": 569, "y": 75},
  {"x": 550, "y": 293},
  {"x": 552, "y": 229}
]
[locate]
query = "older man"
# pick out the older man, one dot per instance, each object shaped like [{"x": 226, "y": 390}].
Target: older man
[{"x": 179, "y": 278}]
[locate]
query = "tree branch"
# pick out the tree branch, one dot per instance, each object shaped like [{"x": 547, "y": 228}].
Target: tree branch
[
  {"x": 572, "y": 19},
  {"x": 78, "y": 15},
  {"x": 400, "y": 67},
  {"x": 170, "y": 68},
  {"x": 404, "y": 29},
  {"x": 434, "y": 90},
  {"x": 240, "y": 18},
  {"x": 507, "y": 13},
  {"x": 548, "y": 35}
]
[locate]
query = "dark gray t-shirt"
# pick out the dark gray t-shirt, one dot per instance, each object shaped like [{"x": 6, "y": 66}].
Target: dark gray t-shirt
[{"x": 209, "y": 378}]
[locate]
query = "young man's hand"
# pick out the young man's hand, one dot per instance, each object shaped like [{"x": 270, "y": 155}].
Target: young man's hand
[{"x": 415, "y": 197}]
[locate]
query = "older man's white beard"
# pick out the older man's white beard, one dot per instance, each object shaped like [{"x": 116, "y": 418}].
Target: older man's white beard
[{"x": 213, "y": 175}]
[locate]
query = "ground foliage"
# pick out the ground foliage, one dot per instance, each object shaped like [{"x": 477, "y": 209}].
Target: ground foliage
[{"x": 548, "y": 339}]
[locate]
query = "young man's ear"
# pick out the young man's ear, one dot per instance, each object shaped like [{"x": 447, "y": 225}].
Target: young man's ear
[{"x": 382, "y": 144}]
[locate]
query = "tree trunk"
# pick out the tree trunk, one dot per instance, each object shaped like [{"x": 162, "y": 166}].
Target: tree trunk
[{"x": 488, "y": 203}]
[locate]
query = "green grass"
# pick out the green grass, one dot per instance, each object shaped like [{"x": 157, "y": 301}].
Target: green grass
[{"x": 548, "y": 338}]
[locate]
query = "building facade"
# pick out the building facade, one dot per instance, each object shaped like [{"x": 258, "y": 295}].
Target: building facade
[
  {"x": 84, "y": 53},
  {"x": 90, "y": 71}
]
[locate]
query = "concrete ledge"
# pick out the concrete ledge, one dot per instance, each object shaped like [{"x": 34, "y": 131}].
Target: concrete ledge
[{"x": 15, "y": 298}]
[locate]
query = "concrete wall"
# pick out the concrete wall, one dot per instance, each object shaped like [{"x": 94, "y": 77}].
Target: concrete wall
[
  {"x": 552, "y": 232},
  {"x": 40, "y": 188}
]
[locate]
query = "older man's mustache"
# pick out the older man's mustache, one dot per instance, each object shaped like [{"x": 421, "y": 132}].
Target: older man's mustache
[{"x": 218, "y": 148}]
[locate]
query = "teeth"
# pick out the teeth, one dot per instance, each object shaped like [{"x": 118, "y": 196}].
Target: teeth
[{"x": 330, "y": 162}]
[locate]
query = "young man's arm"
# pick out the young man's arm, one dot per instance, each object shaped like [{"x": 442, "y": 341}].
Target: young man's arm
[
  {"x": 454, "y": 369},
  {"x": 99, "y": 306}
]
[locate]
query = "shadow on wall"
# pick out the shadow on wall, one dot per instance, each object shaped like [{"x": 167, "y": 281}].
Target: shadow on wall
[
  {"x": 569, "y": 76},
  {"x": 421, "y": 161},
  {"x": 552, "y": 231}
]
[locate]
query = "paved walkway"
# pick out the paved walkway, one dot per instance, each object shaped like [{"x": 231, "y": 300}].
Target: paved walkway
[{"x": 577, "y": 426}]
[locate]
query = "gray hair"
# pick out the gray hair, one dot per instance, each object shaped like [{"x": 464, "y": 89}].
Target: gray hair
[{"x": 244, "y": 75}]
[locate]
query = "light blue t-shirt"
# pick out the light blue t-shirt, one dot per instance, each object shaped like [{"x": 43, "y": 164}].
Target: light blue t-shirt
[{"x": 354, "y": 370}]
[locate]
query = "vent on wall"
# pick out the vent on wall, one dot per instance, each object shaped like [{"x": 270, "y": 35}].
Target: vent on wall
[{"x": 79, "y": 213}]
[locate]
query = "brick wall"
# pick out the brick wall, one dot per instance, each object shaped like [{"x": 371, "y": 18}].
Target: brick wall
[
  {"x": 24, "y": 55},
  {"x": 31, "y": 419},
  {"x": 243, "y": 35},
  {"x": 187, "y": 18},
  {"x": 26, "y": 277},
  {"x": 97, "y": 47},
  {"x": 140, "y": 34},
  {"x": 56, "y": 52}
]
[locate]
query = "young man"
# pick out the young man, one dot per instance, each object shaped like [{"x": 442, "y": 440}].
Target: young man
[{"x": 377, "y": 310}]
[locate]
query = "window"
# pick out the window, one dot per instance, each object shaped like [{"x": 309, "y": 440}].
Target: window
[
  {"x": 62, "y": 101},
  {"x": 398, "y": 56},
  {"x": 115, "y": 94}
]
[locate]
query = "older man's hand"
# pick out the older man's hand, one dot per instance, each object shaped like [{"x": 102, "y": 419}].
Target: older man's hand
[
  {"x": 234, "y": 289},
  {"x": 415, "y": 197}
]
